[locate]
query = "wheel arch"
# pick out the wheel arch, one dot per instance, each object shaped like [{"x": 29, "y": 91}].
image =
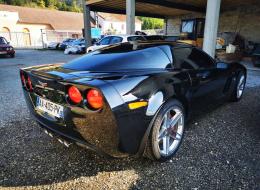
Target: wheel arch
[{"x": 182, "y": 99}]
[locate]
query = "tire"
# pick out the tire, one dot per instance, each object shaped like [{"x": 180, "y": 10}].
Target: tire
[
  {"x": 162, "y": 134},
  {"x": 12, "y": 55},
  {"x": 239, "y": 88}
]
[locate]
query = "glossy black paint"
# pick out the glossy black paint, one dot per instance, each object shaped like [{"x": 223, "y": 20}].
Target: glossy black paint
[{"x": 117, "y": 130}]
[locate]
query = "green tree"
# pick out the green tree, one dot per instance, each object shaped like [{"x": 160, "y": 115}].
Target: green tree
[
  {"x": 151, "y": 23},
  {"x": 41, "y": 3}
]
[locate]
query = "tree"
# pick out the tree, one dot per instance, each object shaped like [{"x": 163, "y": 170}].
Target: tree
[
  {"x": 41, "y": 3},
  {"x": 151, "y": 23}
]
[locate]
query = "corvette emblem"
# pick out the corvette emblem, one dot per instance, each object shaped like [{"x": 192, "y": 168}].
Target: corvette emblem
[{"x": 43, "y": 84}]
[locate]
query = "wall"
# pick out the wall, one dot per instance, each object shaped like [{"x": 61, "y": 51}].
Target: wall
[
  {"x": 245, "y": 20},
  {"x": 118, "y": 27},
  {"x": 11, "y": 21}
]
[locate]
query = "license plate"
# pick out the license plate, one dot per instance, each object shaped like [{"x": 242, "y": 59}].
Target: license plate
[
  {"x": 3, "y": 52},
  {"x": 49, "y": 107}
]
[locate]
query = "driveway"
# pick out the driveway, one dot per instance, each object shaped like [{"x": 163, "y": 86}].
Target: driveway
[{"x": 221, "y": 149}]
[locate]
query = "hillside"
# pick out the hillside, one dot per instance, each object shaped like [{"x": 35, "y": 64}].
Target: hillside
[{"x": 62, "y": 5}]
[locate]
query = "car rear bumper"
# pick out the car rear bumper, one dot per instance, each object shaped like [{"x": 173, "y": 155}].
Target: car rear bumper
[{"x": 99, "y": 134}]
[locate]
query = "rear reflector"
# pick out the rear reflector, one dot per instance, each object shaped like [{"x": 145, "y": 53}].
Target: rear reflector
[
  {"x": 74, "y": 94},
  {"x": 135, "y": 105},
  {"x": 29, "y": 84},
  {"x": 22, "y": 78},
  {"x": 95, "y": 99}
]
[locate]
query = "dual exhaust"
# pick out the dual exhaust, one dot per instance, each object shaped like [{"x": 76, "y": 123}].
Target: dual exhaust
[{"x": 62, "y": 141}]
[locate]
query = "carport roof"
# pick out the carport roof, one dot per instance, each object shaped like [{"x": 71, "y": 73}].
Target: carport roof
[{"x": 161, "y": 8}]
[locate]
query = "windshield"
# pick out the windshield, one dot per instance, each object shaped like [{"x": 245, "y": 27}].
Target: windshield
[
  {"x": 3, "y": 41},
  {"x": 122, "y": 57},
  {"x": 187, "y": 26}
]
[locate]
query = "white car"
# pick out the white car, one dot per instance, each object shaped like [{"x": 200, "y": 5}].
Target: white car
[{"x": 114, "y": 39}]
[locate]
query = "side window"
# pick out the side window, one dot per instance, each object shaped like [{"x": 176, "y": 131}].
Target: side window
[
  {"x": 203, "y": 60},
  {"x": 115, "y": 40},
  {"x": 191, "y": 58},
  {"x": 104, "y": 41},
  {"x": 181, "y": 58}
]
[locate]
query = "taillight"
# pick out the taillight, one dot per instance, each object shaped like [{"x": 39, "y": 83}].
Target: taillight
[
  {"x": 29, "y": 84},
  {"x": 22, "y": 78},
  {"x": 95, "y": 99},
  {"x": 74, "y": 95}
]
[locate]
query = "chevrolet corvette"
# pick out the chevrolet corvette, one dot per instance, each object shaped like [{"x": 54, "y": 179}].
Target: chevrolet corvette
[{"x": 130, "y": 98}]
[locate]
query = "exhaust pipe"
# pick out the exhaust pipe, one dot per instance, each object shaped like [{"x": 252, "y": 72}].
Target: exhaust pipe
[{"x": 65, "y": 143}]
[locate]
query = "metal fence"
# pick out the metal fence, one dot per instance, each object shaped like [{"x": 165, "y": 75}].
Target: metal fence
[
  {"x": 38, "y": 39},
  {"x": 58, "y": 36}
]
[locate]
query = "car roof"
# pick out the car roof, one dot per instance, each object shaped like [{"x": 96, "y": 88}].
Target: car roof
[{"x": 161, "y": 42}]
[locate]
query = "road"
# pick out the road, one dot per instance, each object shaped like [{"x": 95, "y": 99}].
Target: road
[{"x": 221, "y": 149}]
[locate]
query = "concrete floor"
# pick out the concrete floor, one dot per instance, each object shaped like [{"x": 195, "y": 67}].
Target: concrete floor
[{"x": 221, "y": 149}]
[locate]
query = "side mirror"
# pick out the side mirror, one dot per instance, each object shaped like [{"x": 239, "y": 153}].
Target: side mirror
[
  {"x": 222, "y": 65},
  {"x": 8, "y": 43},
  {"x": 97, "y": 43}
]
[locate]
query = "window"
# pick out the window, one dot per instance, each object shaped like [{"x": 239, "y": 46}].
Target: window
[
  {"x": 6, "y": 33},
  {"x": 191, "y": 58},
  {"x": 201, "y": 58},
  {"x": 116, "y": 39},
  {"x": 105, "y": 41},
  {"x": 3, "y": 40},
  {"x": 122, "y": 57},
  {"x": 187, "y": 26}
]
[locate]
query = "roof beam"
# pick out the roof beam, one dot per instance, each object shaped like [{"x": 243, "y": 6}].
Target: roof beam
[
  {"x": 120, "y": 11},
  {"x": 174, "y": 5},
  {"x": 89, "y": 2}
]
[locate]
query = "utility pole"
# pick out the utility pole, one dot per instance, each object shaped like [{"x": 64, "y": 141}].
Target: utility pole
[{"x": 87, "y": 25}]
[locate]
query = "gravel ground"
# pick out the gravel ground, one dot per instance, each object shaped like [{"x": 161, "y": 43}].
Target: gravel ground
[{"x": 221, "y": 149}]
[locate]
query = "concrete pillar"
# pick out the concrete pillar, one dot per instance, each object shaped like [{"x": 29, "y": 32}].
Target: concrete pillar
[
  {"x": 87, "y": 24},
  {"x": 211, "y": 26},
  {"x": 130, "y": 17}
]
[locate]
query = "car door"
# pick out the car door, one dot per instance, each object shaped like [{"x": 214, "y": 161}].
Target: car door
[{"x": 207, "y": 83}]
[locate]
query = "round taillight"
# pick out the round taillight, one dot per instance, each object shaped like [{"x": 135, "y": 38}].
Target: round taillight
[
  {"x": 29, "y": 84},
  {"x": 95, "y": 99},
  {"x": 74, "y": 94}
]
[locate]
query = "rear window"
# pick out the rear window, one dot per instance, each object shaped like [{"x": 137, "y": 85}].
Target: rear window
[{"x": 122, "y": 57}]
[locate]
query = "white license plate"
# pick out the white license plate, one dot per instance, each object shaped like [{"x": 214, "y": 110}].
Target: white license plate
[
  {"x": 49, "y": 107},
  {"x": 3, "y": 52}
]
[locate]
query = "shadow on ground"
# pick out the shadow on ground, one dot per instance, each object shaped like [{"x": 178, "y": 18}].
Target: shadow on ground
[{"x": 221, "y": 150}]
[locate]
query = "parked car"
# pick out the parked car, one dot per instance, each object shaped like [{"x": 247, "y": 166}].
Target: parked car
[
  {"x": 129, "y": 98},
  {"x": 5, "y": 48},
  {"x": 155, "y": 37},
  {"x": 114, "y": 39},
  {"x": 65, "y": 43},
  {"x": 171, "y": 38},
  {"x": 76, "y": 47},
  {"x": 53, "y": 45}
]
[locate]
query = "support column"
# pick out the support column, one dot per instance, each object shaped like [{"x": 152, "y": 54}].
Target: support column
[
  {"x": 211, "y": 27},
  {"x": 130, "y": 17},
  {"x": 87, "y": 24}
]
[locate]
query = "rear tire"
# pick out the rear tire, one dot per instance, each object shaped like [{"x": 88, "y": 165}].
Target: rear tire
[
  {"x": 167, "y": 132},
  {"x": 238, "y": 90}
]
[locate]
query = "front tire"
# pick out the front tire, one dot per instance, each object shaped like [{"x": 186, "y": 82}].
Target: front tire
[
  {"x": 239, "y": 88},
  {"x": 167, "y": 132}
]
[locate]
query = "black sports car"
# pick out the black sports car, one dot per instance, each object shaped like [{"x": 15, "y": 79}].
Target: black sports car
[{"x": 129, "y": 98}]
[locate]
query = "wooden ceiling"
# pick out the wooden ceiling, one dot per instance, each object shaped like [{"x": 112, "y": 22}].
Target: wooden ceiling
[{"x": 162, "y": 8}]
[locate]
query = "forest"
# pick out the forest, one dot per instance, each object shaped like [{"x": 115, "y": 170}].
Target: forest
[{"x": 76, "y": 6}]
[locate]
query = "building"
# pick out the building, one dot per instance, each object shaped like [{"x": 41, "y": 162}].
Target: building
[
  {"x": 23, "y": 26},
  {"x": 33, "y": 27},
  {"x": 115, "y": 23}
]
